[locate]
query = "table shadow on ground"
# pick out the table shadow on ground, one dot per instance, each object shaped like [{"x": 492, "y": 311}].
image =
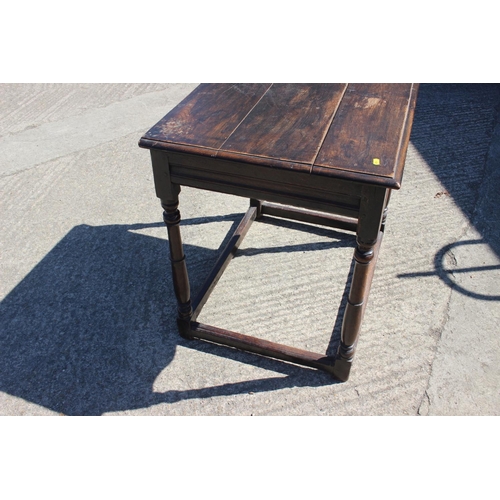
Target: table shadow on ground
[
  {"x": 453, "y": 130},
  {"x": 448, "y": 274},
  {"x": 90, "y": 328}
]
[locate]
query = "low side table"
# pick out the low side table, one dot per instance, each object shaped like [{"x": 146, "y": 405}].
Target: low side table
[{"x": 319, "y": 153}]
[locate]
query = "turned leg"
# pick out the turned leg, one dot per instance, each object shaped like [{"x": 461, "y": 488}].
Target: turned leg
[
  {"x": 368, "y": 241},
  {"x": 364, "y": 263},
  {"x": 172, "y": 218},
  {"x": 168, "y": 192}
]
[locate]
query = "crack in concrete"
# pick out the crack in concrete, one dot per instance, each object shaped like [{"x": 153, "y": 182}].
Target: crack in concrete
[{"x": 437, "y": 332}]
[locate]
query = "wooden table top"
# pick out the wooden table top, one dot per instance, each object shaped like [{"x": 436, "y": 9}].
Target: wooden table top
[{"x": 349, "y": 131}]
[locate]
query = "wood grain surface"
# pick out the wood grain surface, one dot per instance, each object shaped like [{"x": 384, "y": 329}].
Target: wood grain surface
[
  {"x": 350, "y": 131},
  {"x": 288, "y": 123},
  {"x": 209, "y": 115}
]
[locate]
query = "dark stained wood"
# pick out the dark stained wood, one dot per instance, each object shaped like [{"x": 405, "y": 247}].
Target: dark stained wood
[
  {"x": 368, "y": 241},
  {"x": 239, "y": 171},
  {"x": 303, "y": 215},
  {"x": 223, "y": 261},
  {"x": 288, "y": 123},
  {"x": 276, "y": 185},
  {"x": 208, "y": 115},
  {"x": 373, "y": 202},
  {"x": 333, "y": 130},
  {"x": 358, "y": 295},
  {"x": 267, "y": 189},
  {"x": 165, "y": 190},
  {"x": 369, "y": 130},
  {"x": 336, "y": 149},
  {"x": 172, "y": 218},
  {"x": 355, "y": 308},
  {"x": 263, "y": 347}
]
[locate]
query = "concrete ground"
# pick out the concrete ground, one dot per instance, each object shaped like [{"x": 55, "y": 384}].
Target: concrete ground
[{"x": 87, "y": 312}]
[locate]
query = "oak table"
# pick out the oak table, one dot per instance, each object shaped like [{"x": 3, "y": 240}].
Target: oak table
[{"x": 319, "y": 153}]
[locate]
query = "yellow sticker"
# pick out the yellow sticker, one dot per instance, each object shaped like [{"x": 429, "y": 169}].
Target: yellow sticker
[{"x": 376, "y": 161}]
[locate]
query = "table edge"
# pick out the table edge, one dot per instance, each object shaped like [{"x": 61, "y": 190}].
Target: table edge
[{"x": 196, "y": 151}]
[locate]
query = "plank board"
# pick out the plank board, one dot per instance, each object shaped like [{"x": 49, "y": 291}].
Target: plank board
[
  {"x": 288, "y": 123},
  {"x": 368, "y": 129},
  {"x": 208, "y": 115},
  {"x": 357, "y": 132}
]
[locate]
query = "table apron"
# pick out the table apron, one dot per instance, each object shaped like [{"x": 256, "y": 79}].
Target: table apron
[{"x": 289, "y": 188}]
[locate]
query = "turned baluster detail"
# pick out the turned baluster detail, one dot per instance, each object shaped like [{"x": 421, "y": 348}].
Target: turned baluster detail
[
  {"x": 370, "y": 223},
  {"x": 353, "y": 316},
  {"x": 172, "y": 218},
  {"x": 168, "y": 192}
]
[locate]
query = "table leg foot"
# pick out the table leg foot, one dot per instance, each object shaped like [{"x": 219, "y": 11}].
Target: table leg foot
[
  {"x": 184, "y": 328},
  {"x": 343, "y": 362}
]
